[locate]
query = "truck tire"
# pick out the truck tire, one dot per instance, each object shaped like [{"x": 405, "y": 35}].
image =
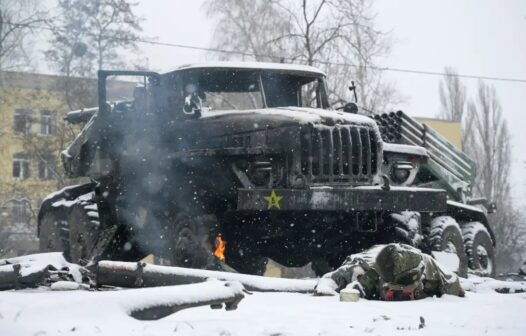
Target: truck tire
[
  {"x": 444, "y": 234},
  {"x": 403, "y": 227},
  {"x": 54, "y": 230},
  {"x": 479, "y": 249},
  {"x": 86, "y": 232},
  {"x": 83, "y": 231},
  {"x": 192, "y": 241}
]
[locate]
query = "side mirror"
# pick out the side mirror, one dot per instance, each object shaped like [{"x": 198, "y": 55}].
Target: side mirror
[{"x": 192, "y": 105}]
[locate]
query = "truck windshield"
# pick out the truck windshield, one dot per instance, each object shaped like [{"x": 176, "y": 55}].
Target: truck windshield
[
  {"x": 243, "y": 90},
  {"x": 291, "y": 90}
]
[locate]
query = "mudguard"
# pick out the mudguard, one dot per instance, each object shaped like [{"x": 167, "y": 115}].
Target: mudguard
[{"x": 68, "y": 193}]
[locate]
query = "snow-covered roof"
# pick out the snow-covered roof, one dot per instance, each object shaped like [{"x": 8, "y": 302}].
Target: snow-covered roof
[{"x": 253, "y": 65}]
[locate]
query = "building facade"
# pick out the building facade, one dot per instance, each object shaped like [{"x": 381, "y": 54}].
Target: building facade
[
  {"x": 32, "y": 135},
  {"x": 451, "y": 130}
]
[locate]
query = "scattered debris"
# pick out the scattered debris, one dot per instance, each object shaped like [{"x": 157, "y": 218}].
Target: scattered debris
[
  {"x": 65, "y": 286},
  {"x": 129, "y": 274},
  {"x": 422, "y": 323},
  {"x": 156, "y": 303},
  {"x": 349, "y": 295},
  {"x": 382, "y": 318},
  {"x": 43, "y": 269}
]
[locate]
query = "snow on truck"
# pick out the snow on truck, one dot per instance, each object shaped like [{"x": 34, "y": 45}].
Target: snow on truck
[{"x": 239, "y": 162}]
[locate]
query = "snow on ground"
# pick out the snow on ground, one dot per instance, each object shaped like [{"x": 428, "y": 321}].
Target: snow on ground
[
  {"x": 45, "y": 312},
  {"x": 63, "y": 310}
]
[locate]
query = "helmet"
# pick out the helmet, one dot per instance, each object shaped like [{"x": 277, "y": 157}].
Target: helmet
[{"x": 401, "y": 268}]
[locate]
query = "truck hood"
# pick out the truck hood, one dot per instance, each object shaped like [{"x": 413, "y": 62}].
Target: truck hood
[{"x": 268, "y": 118}]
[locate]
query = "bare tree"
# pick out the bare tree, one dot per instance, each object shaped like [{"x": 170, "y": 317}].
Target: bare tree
[
  {"x": 452, "y": 96},
  {"x": 17, "y": 23},
  {"x": 235, "y": 28},
  {"x": 489, "y": 144},
  {"x": 339, "y": 36},
  {"x": 453, "y": 102},
  {"x": 91, "y": 35},
  {"x": 88, "y": 36}
]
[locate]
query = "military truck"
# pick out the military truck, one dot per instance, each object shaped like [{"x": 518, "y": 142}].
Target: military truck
[{"x": 240, "y": 162}]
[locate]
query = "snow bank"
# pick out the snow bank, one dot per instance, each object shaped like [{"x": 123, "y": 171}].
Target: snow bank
[
  {"x": 32, "y": 312},
  {"x": 38, "y": 312}
]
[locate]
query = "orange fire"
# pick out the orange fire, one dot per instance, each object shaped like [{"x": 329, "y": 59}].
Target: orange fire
[{"x": 220, "y": 246}]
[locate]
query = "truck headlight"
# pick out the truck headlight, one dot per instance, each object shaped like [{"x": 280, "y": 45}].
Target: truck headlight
[
  {"x": 259, "y": 172},
  {"x": 401, "y": 171},
  {"x": 298, "y": 181}
]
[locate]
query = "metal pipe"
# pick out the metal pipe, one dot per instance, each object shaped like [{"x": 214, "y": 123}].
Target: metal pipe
[{"x": 129, "y": 274}]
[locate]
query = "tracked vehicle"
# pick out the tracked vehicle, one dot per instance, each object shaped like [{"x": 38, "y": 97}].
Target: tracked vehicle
[{"x": 252, "y": 154}]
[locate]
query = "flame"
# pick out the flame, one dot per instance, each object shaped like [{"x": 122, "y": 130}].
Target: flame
[{"x": 220, "y": 246}]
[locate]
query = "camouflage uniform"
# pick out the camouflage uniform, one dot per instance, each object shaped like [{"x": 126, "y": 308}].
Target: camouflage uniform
[{"x": 392, "y": 272}]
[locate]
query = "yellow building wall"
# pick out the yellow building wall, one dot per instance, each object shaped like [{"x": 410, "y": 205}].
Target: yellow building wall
[
  {"x": 36, "y": 93},
  {"x": 451, "y": 130},
  {"x": 11, "y": 143}
]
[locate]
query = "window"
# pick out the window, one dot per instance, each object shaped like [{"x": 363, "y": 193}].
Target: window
[
  {"x": 47, "y": 122},
  {"x": 21, "y": 166},
  {"x": 291, "y": 90},
  {"x": 225, "y": 89},
  {"x": 309, "y": 95},
  {"x": 46, "y": 167},
  {"x": 22, "y": 121},
  {"x": 20, "y": 211}
]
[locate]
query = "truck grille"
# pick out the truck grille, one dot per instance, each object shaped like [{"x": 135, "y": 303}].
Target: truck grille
[{"x": 341, "y": 153}]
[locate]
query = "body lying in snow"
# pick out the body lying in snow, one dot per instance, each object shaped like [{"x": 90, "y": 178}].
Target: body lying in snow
[{"x": 391, "y": 272}]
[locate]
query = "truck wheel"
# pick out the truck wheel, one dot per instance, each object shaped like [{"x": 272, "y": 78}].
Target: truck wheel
[
  {"x": 83, "y": 232},
  {"x": 192, "y": 242},
  {"x": 444, "y": 234},
  {"x": 479, "y": 249},
  {"x": 54, "y": 231},
  {"x": 403, "y": 227}
]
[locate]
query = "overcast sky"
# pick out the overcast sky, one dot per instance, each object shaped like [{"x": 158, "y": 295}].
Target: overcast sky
[{"x": 477, "y": 37}]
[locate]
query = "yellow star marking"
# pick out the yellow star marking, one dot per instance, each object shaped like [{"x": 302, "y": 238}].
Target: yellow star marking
[{"x": 273, "y": 200}]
